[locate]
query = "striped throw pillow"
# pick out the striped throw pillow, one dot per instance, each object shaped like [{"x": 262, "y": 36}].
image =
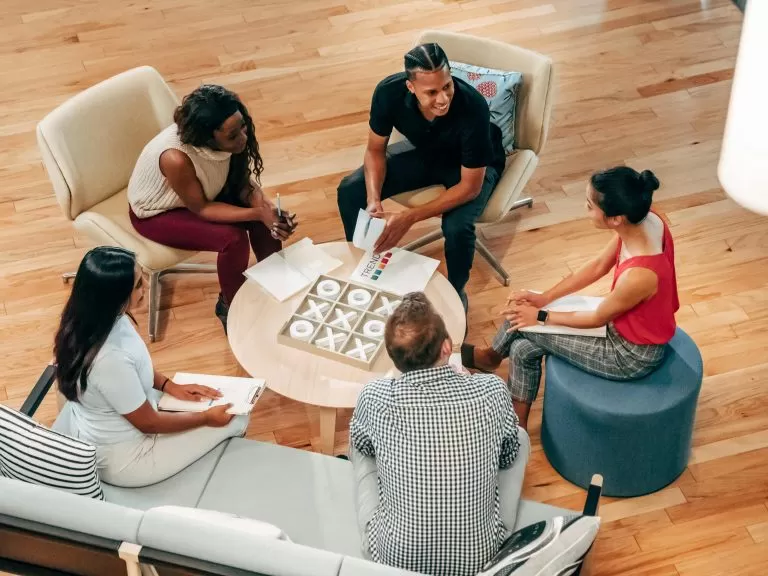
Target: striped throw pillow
[{"x": 32, "y": 453}]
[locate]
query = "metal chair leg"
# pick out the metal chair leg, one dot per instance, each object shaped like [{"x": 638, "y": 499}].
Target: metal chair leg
[
  {"x": 154, "y": 300},
  {"x": 491, "y": 259},
  {"x": 424, "y": 240},
  {"x": 67, "y": 276},
  {"x": 522, "y": 202}
]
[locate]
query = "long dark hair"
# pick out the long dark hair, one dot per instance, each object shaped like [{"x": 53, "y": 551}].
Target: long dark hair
[
  {"x": 622, "y": 191},
  {"x": 100, "y": 294},
  {"x": 202, "y": 112}
]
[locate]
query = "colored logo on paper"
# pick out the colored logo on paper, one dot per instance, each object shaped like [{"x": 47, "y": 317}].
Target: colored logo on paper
[{"x": 377, "y": 265}]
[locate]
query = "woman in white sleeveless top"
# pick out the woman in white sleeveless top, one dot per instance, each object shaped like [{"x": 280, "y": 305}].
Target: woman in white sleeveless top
[{"x": 196, "y": 187}]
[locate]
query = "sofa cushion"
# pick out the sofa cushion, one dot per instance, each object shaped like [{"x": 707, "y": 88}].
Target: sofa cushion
[
  {"x": 68, "y": 511},
  {"x": 500, "y": 89},
  {"x": 547, "y": 548},
  {"x": 182, "y": 489},
  {"x": 32, "y": 453},
  {"x": 224, "y": 519},
  {"x": 232, "y": 544},
  {"x": 308, "y": 495},
  {"x": 357, "y": 567}
]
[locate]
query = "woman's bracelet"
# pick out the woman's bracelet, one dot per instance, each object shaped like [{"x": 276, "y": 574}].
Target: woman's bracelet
[{"x": 162, "y": 386}]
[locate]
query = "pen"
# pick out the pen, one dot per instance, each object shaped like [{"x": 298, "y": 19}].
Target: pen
[{"x": 279, "y": 212}]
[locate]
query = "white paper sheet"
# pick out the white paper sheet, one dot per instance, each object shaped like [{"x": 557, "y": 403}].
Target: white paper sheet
[
  {"x": 367, "y": 231},
  {"x": 397, "y": 271},
  {"x": 285, "y": 273},
  {"x": 571, "y": 303},
  {"x": 242, "y": 393},
  {"x": 310, "y": 259}
]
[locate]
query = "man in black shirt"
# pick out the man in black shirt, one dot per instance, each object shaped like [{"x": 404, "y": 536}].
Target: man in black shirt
[{"x": 450, "y": 141}]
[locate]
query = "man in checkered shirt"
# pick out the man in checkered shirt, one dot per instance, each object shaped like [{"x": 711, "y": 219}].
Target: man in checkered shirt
[{"x": 439, "y": 439}]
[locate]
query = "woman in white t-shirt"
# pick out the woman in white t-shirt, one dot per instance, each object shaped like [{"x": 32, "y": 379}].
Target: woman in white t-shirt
[{"x": 104, "y": 369}]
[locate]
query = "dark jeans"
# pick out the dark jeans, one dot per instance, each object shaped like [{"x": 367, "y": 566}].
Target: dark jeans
[
  {"x": 185, "y": 230},
  {"x": 408, "y": 169}
]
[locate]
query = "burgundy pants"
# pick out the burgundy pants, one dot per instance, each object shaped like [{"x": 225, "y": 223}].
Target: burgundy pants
[{"x": 183, "y": 229}]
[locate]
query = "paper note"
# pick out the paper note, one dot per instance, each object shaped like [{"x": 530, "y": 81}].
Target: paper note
[
  {"x": 278, "y": 277},
  {"x": 285, "y": 273},
  {"x": 310, "y": 259},
  {"x": 397, "y": 271},
  {"x": 242, "y": 393},
  {"x": 572, "y": 303},
  {"x": 367, "y": 231}
]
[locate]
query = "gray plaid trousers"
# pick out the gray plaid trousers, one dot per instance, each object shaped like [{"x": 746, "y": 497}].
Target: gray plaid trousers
[{"x": 612, "y": 357}]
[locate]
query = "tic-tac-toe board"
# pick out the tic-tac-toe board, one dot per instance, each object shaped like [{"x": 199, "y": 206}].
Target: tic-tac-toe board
[{"x": 340, "y": 320}]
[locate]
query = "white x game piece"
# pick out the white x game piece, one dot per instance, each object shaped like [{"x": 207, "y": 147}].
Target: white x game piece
[
  {"x": 343, "y": 319},
  {"x": 316, "y": 310},
  {"x": 361, "y": 350},
  {"x": 387, "y": 307},
  {"x": 330, "y": 340}
]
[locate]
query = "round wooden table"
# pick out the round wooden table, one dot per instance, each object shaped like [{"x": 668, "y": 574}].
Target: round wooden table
[{"x": 255, "y": 318}]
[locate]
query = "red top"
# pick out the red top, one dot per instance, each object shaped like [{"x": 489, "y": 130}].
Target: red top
[{"x": 653, "y": 320}]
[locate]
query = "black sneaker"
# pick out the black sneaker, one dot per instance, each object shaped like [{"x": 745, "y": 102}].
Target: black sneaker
[{"x": 222, "y": 310}]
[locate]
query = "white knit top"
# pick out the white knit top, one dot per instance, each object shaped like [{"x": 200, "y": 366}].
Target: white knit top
[{"x": 149, "y": 192}]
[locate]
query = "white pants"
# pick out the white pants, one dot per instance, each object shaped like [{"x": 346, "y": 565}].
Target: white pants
[{"x": 156, "y": 457}]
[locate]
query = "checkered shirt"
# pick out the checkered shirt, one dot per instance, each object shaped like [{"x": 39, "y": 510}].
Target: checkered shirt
[{"x": 439, "y": 439}]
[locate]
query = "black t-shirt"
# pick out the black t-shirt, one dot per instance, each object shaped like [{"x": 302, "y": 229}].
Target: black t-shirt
[{"x": 465, "y": 135}]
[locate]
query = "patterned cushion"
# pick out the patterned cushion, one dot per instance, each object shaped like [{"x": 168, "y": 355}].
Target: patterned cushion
[
  {"x": 554, "y": 547},
  {"x": 500, "y": 90},
  {"x": 32, "y": 453}
]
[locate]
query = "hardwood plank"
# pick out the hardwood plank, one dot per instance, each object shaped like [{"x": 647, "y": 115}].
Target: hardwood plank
[{"x": 644, "y": 83}]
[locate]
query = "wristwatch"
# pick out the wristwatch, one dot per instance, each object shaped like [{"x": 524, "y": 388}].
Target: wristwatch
[{"x": 542, "y": 316}]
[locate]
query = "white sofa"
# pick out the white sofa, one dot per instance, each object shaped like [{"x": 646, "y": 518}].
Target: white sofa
[{"x": 309, "y": 496}]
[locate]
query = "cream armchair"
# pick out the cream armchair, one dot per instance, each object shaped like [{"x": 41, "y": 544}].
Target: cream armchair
[
  {"x": 534, "y": 108},
  {"x": 89, "y": 146}
]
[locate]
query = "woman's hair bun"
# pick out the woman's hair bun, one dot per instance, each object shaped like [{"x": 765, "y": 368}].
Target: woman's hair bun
[{"x": 649, "y": 181}]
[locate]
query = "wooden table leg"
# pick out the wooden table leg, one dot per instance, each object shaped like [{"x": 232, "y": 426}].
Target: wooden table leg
[{"x": 327, "y": 429}]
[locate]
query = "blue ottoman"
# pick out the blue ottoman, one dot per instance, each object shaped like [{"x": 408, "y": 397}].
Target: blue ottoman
[{"x": 637, "y": 434}]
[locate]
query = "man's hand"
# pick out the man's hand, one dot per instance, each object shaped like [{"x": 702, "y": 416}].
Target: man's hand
[
  {"x": 374, "y": 207},
  {"x": 192, "y": 392},
  {"x": 398, "y": 223}
]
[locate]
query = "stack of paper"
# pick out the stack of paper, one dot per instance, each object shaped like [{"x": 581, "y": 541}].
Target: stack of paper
[
  {"x": 395, "y": 270},
  {"x": 242, "y": 393},
  {"x": 289, "y": 271},
  {"x": 367, "y": 231},
  {"x": 572, "y": 303}
]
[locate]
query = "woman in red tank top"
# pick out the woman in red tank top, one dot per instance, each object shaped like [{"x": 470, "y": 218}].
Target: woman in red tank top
[{"x": 638, "y": 313}]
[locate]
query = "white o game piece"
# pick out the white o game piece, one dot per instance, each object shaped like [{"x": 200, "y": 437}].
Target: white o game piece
[
  {"x": 387, "y": 307},
  {"x": 361, "y": 350},
  {"x": 343, "y": 319},
  {"x": 328, "y": 288},
  {"x": 358, "y": 297},
  {"x": 373, "y": 329},
  {"x": 301, "y": 329}
]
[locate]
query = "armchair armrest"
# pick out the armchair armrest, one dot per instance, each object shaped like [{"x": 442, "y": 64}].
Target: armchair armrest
[
  {"x": 519, "y": 168},
  {"x": 44, "y": 383}
]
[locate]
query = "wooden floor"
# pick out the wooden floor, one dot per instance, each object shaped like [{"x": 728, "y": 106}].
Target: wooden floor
[{"x": 640, "y": 81}]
